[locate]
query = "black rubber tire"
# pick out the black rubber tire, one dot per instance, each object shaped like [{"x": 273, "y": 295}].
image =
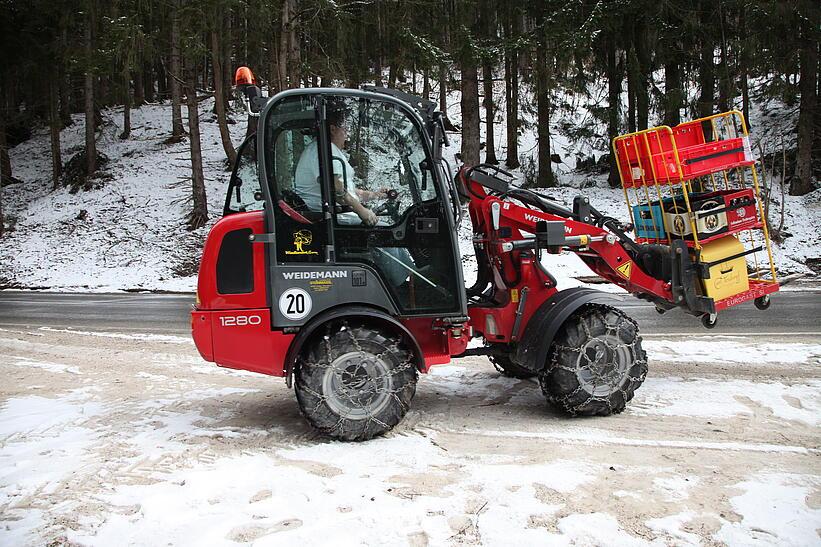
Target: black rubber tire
[
  {"x": 334, "y": 368},
  {"x": 762, "y": 302},
  {"x": 510, "y": 369},
  {"x": 611, "y": 337},
  {"x": 709, "y": 322}
]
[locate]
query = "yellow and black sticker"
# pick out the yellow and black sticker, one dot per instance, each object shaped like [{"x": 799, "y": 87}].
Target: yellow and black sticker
[
  {"x": 302, "y": 239},
  {"x": 321, "y": 285},
  {"x": 514, "y": 295},
  {"x": 625, "y": 269}
]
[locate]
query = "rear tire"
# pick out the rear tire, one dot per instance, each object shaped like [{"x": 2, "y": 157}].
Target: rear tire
[
  {"x": 596, "y": 363},
  {"x": 508, "y": 368},
  {"x": 355, "y": 383}
]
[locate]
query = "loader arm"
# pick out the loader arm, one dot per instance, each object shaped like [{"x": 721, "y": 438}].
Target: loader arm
[
  {"x": 600, "y": 249},
  {"x": 506, "y": 222}
]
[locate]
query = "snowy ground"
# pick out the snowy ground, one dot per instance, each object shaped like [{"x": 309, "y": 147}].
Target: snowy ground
[
  {"x": 134, "y": 234},
  {"x": 116, "y": 440}
]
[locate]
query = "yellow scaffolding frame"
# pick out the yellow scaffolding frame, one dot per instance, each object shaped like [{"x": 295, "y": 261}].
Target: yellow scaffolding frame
[{"x": 727, "y": 119}]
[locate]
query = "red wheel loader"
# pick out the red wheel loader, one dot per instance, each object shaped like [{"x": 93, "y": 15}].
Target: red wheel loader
[{"x": 337, "y": 266}]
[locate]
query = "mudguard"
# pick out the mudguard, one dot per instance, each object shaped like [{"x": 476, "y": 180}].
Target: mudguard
[
  {"x": 347, "y": 312},
  {"x": 533, "y": 350}
]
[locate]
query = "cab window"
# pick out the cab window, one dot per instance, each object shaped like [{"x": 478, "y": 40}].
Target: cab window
[
  {"x": 244, "y": 193},
  {"x": 294, "y": 175},
  {"x": 388, "y": 213}
]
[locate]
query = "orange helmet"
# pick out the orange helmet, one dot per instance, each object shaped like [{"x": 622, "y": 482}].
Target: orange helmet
[{"x": 244, "y": 76}]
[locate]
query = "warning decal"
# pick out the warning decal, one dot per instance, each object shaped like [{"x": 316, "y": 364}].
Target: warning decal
[{"x": 625, "y": 268}]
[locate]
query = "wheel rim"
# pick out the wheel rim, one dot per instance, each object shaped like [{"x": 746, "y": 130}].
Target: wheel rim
[
  {"x": 357, "y": 385},
  {"x": 603, "y": 364}
]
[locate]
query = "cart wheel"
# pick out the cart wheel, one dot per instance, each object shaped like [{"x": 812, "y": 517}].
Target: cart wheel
[
  {"x": 709, "y": 320},
  {"x": 660, "y": 311},
  {"x": 762, "y": 302}
]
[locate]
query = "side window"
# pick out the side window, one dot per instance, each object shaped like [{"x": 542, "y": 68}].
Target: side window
[
  {"x": 379, "y": 159},
  {"x": 294, "y": 176},
  {"x": 244, "y": 193}
]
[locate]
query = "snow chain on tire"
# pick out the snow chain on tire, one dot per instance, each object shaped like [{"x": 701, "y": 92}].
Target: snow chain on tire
[
  {"x": 354, "y": 382},
  {"x": 595, "y": 364}
]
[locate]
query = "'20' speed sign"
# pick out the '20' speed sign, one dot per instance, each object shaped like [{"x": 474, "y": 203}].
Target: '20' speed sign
[{"x": 295, "y": 304}]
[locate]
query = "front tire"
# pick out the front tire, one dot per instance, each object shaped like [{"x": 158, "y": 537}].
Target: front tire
[
  {"x": 355, "y": 383},
  {"x": 596, "y": 363}
]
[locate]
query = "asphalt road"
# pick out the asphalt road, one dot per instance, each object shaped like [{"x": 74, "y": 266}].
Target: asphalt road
[{"x": 795, "y": 313}]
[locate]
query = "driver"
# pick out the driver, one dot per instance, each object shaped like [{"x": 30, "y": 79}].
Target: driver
[
  {"x": 306, "y": 179},
  {"x": 393, "y": 261}
]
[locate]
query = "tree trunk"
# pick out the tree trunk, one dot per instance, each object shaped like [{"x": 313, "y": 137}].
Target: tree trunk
[
  {"x": 5, "y": 163},
  {"x": 672, "y": 93},
  {"x": 290, "y": 45},
  {"x": 512, "y": 108},
  {"x": 126, "y": 105},
  {"x": 632, "y": 86},
  {"x": 282, "y": 59},
  {"x": 744, "y": 68},
  {"x": 470, "y": 113},
  {"x": 102, "y": 95},
  {"x": 162, "y": 80},
  {"x": 148, "y": 82},
  {"x": 91, "y": 145},
  {"x": 644, "y": 76},
  {"x": 175, "y": 75},
  {"x": 706, "y": 69},
  {"x": 443, "y": 89},
  {"x": 65, "y": 84},
  {"x": 139, "y": 87},
  {"x": 199, "y": 211},
  {"x": 490, "y": 114},
  {"x": 392, "y": 75},
  {"x": 219, "y": 99},
  {"x": 227, "y": 68},
  {"x": 55, "y": 125},
  {"x": 725, "y": 88},
  {"x": 544, "y": 178},
  {"x": 426, "y": 84},
  {"x": 802, "y": 182},
  {"x": 377, "y": 69},
  {"x": 613, "y": 105}
]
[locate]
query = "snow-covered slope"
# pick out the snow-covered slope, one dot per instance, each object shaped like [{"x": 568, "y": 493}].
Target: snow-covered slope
[{"x": 133, "y": 236}]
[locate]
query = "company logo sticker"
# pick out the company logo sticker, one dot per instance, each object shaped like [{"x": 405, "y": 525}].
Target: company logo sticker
[{"x": 302, "y": 238}]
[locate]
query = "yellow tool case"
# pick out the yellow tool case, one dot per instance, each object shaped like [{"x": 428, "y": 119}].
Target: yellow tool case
[{"x": 723, "y": 268}]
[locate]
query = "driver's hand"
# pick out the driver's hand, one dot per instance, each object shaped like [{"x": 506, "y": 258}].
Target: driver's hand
[{"x": 368, "y": 217}]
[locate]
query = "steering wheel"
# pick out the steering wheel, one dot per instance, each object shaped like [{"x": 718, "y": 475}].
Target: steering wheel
[{"x": 391, "y": 207}]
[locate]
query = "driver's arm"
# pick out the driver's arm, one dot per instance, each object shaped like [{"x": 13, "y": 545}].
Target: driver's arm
[
  {"x": 369, "y": 195},
  {"x": 343, "y": 197}
]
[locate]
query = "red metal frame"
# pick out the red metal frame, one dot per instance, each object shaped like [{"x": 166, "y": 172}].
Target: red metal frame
[{"x": 758, "y": 288}]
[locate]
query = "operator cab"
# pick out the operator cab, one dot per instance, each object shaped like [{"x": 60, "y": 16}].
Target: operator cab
[{"x": 308, "y": 185}]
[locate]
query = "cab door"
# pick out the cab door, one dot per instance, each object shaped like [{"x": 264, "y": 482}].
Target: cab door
[
  {"x": 320, "y": 254},
  {"x": 412, "y": 246}
]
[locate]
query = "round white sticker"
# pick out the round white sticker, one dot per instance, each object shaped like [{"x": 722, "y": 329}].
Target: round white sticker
[{"x": 295, "y": 304}]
